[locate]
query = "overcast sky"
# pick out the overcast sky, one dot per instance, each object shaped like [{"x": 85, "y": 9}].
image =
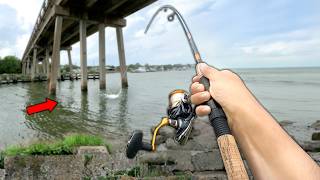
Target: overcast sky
[{"x": 229, "y": 33}]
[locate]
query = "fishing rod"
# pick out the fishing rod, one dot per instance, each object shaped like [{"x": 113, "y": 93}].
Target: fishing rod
[{"x": 228, "y": 148}]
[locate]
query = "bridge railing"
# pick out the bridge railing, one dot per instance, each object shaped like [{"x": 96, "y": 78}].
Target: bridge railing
[{"x": 46, "y": 5}]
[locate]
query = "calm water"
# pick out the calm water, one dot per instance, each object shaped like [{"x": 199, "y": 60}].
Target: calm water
[{"x": 289, "y": 94}]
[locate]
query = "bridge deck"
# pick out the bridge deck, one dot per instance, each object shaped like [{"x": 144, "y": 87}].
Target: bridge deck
[{"x": 109, "y": 12}]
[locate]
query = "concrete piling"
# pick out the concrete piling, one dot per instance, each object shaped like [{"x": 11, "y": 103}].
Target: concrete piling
[
  {"x": 70, "y": 61},
  {"x": 34, "y": 64},
  {"x": 83, "y": 55},
  {"x": 55, "y": 55},
  {"x": 122, "y": 58},
  {"x": 47, "y": 64},
  {"x": 102, "y": 57}
]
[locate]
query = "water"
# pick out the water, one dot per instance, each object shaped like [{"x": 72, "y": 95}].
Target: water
[{"x": 289, "y": 94}]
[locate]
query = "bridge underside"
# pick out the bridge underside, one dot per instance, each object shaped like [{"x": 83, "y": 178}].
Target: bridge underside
[{"x": 61, "y": 23}]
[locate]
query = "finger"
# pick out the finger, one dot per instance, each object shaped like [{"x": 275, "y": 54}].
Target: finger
[
  {"x": 196, "y": 88},
  {"x": 196, "y": 78},
  {"x": 204, "y": 70},
  {"x": 203, "y": 110},
  {"x": 200, "y": 97}
]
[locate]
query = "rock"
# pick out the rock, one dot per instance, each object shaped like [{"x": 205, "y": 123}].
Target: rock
[
  {"x": 315, "y": 156},
  {"x": 162, "y": 147},
  {"x": 160, "y": 139},
  {"x": 316, "y": 125},
  {"x": 209, "y": 175},
  {"x": 202, "y": 140},
  {"x": 169, "y": 177},
  {"x": 126, "y": 178},
  {"x": 119, "y": 161},
  {"x": 95, "y": 159},
  {"x": 285, "y": 123},
  {"x": 172, "y": 160},
  {"x": 91, "y": 162},
  {"x": 99, "y": 150},
  {"x": 166, "y": 131},
  {"x": 2, "y": 174},
  {"x": 44, "y": 167},
  {"x": 316, "y": 136},
  {"x": 207, "y": 161},
  {"x": 313, "y": 146},
  {"x": 191, "y": 145}
]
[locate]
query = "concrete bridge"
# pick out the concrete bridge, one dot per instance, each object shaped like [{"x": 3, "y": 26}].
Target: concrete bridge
[{"x": 62, "y": 23}]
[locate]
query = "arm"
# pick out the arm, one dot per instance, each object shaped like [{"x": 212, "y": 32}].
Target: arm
[{"x": 269, "y": 150}]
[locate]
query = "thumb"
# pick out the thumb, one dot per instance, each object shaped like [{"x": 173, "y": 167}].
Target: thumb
[{"x": 207, "y": 71}]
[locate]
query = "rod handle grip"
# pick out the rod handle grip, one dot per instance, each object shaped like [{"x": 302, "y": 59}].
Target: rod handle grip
[
  {"x": 231, "y": 158},
  {"x": 228, "y": 147}
]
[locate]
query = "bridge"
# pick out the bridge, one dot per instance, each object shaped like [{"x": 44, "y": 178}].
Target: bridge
[{"x": 61, "y": 23}]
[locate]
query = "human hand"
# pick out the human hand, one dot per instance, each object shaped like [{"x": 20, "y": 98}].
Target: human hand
[{"x": 226, "y": 88}]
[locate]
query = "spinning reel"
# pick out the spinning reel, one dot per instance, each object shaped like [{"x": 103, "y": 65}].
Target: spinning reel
[
  {"x": 180, "y": 117},
  {"x": 181, "y": 114}
]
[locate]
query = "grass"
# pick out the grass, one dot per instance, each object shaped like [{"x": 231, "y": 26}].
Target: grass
[{"x": 65, "y": 146}]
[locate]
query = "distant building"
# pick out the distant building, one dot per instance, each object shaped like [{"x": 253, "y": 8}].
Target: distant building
[{"x": 140, "y": 70}]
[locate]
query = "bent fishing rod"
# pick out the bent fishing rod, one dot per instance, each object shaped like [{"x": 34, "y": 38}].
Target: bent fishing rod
[{"x": 180, "y": 116}]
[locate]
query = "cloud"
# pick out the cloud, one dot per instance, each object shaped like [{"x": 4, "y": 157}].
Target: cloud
[
  {"x": 27, "y": 11},
  {"x": 295, "y": 43},
  {"x": 228, "y": 33}
]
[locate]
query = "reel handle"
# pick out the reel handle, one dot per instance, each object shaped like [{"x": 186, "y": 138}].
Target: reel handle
[{"x": 228, "y": 147}]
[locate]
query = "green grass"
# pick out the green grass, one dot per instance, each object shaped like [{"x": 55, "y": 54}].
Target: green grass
[{"x": 61, "y": 147}]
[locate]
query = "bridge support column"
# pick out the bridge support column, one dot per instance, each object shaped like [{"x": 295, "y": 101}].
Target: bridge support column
[
  {"x": 122, "y": 58},
  {"x": 27, "y": 66},
  {"x": 55, "y": 55},
  {"x": 37, "y": 67},
  {"x": 47, "y": 64},
  {"x": 34, "y": 64},
  {"x": 23, "y": 68},
  {"x": 83, "y": 55},
  {"x": 70, "y": 62},
  {"x": 102, "y": 56}
]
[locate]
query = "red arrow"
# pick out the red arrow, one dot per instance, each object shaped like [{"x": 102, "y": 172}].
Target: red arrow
[{"x": 48, "y": 105}]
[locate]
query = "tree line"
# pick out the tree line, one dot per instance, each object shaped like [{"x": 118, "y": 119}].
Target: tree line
[{"x": 10, "y": 65}]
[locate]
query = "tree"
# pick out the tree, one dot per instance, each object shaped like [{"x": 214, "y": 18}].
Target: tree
[{"x": 10, "y": 65}]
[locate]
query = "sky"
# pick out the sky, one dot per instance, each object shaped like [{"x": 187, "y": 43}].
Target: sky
[{"x": 228, "y": 33}]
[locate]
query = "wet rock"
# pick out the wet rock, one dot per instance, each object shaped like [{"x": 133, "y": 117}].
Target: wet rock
[
  {"x": 173, "y": 160},
  {"x": 207, "y": 161},
  {"x": 316, "y": 125},
  {"x": 210, "y": 175},
  {"x": 316, "y": 136},
  {"x": 315, "y": 156},
  {"x": 285, "y": 123},
  {"x": 44, "y": 167}
]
